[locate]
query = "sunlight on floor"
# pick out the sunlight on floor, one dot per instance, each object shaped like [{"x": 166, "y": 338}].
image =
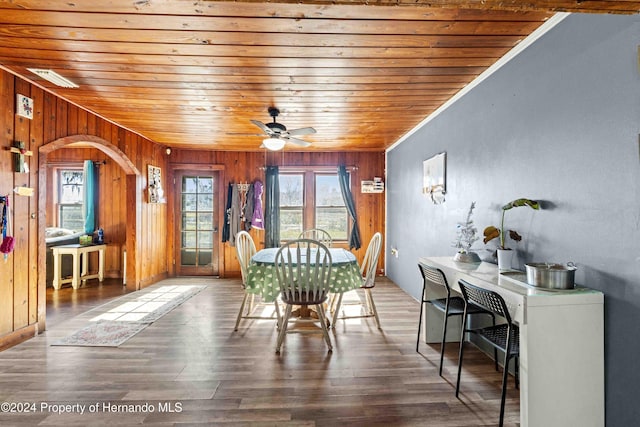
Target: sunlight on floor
[
  {"x": 266, "y": 312},
  {"x": 145, "y": 304},
  {"x": 352, "y": 305}
]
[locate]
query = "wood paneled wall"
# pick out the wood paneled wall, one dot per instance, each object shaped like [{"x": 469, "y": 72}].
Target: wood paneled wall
[
  {"x": 110, "y": 204},
  {"x": 22, "y": 279},
  {"x": 249, "y": 166},
  {"x": 22, "y": 287}
]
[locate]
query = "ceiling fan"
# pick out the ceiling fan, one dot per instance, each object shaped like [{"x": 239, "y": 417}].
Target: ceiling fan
[{"x": 278, "y": 135}]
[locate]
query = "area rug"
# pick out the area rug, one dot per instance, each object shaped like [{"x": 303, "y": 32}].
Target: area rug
[
  {"x": 173, "y": 297},
  {"x": 104, "y": 333},
  {"x": 121, "y": 320}
]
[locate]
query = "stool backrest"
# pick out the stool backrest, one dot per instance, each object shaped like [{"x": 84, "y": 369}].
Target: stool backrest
[
  {"x": 370, "y": 261},
  {"x": 245, "y": 249},
  {"x": 434, "y": 275},
  {"x": 317, "y": 234},
  {"x": 303, "y": 271},
  {"x": 485, "y": 298}
]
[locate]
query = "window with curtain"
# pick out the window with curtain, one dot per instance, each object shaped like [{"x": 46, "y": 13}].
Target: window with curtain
[
  {"x": 70, "y": 198},
  {"x": 311, "y": 199}
]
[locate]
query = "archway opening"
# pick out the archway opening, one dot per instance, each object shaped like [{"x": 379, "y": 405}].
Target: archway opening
[{"x": 122, "y": 181}]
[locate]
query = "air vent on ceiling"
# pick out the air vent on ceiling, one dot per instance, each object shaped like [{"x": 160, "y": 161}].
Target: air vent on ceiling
[{"x": 53, "y": 77}]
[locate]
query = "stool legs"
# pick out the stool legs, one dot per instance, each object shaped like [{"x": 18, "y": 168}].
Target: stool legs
[
  {"x": 460, "y": 354},
  {"x": 444, "y": 336},
  {"x": 422, "y": 302},
  {"x": 505, "y": 375}
]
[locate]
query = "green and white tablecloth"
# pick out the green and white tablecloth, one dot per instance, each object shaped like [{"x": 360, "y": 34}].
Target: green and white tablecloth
[{"x": 261, "y": 276}]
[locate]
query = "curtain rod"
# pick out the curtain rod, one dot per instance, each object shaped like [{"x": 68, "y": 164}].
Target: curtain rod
[{"x": 322, "y": 168}]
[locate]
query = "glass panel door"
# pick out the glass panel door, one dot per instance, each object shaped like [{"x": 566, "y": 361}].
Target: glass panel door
[{"x": 197, "y": 224}]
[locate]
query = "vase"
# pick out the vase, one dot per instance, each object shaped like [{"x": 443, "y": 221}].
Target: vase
[
  {"x": 505, "y": 259},
  {"x": 468, "y": 257}
]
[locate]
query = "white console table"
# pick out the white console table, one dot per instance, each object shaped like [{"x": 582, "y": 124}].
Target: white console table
[
  {"x": 77, "y": 251},
  {"x": 561, "y": 342}
]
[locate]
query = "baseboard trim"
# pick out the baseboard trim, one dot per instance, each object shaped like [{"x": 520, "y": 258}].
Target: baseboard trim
[
  {"x": 19, "y": 336},
  {"x": 153, "y": 279}
]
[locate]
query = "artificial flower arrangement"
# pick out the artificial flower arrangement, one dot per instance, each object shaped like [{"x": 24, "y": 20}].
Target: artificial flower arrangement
[{"x": 466, "y": 236}]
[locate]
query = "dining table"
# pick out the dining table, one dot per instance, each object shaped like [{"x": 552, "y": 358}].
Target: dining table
[{"x": 261, "y": 274}]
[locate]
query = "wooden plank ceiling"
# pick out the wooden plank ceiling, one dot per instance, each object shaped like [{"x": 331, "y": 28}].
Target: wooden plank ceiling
[{"x": 192, "y": 74}]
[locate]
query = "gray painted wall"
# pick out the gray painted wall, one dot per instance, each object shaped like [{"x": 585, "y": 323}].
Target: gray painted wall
[{"x": 559, "y": 123}]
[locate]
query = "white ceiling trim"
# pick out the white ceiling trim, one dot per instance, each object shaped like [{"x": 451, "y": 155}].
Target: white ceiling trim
[{"x": 548, "y": 25}]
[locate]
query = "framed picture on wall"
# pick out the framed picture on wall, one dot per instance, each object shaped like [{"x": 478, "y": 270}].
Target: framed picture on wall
[
  {"x": 434, "y": 177},
  {"x": 154, "y": 186},
  {"x": 24, "y": 106}
]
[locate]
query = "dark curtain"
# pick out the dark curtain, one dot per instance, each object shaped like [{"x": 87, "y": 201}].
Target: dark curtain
[
  {"x": 354, "y": 235},
  {"x": 272, "y": 208},
  {"x": 226, "y": 227}
]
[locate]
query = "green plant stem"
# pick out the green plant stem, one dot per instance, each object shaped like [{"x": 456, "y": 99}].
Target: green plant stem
[{"x": 502, "y": 231}]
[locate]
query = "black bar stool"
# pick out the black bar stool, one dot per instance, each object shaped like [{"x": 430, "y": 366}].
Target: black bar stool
[
  {"x": 505, "y": 337},
  {"x": 450, "y": 306}
]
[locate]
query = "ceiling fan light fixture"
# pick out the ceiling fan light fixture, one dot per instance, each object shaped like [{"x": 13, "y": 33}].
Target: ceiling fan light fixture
[{"x": 273, "y": 144}]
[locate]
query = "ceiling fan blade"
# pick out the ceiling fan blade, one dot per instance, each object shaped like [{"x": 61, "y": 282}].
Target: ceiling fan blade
[
  {"x": 302, "y": 131},
  {"x": 262, "y": 126},
  {"x": 297, "y": 142}
]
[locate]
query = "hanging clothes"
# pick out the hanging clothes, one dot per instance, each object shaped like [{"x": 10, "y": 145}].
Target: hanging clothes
[
  {"x": 257, "y": 219},
  {"x": 247, "y": 209},
  {"x": 8, "y": 242},
  {"x": 242, "y": 200},
  {"x": 227, "y": 215},
  {"x": 234, "y": 215},
  {"x": 3, "y": 216}
]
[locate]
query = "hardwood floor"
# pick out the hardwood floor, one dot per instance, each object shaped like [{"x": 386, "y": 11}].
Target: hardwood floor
[
  {"x": 66, "y": 303},
  {"x": 191, "y": 368}
]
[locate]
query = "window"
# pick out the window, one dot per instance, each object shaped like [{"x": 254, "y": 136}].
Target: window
[
  {"x": 331, "y": 213},
  {"x": 291, "y": 206},
  {"x": 70, "y": 199},
  {"x": 311, "y": 199}
]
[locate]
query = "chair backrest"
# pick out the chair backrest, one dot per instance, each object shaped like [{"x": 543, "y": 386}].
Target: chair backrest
[
  {"x": 303, "y": 271},
  {"x": 370, "y": 261},
  {"x": 245, "y": 249},
  {"x": 485, "y": 298},
  {"x": 434, "y": 275},
  {"x": 317, "y": 234}
]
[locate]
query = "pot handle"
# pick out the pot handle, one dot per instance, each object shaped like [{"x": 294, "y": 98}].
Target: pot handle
[{"x": 572, "y": 264}]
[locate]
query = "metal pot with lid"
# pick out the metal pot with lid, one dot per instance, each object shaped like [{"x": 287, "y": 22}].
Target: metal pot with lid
[{"x": 551, "y": 275}]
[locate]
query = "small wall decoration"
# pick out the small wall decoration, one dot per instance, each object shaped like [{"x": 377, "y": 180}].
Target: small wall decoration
[
  {"x": 19, "y": 151},
  {"x": 374, "y": 186},
  {"x": 24, "y": 191},
  {"x": 24, "y": 106},
  {"x": 155, "y": 190},
  {"x": 434, "y": 178}
]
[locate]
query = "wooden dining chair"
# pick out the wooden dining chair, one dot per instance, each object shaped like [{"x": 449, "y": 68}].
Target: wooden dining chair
[
  {"x": 504, "y": 337},
  {"x": 368, "y": 273},
  {"x": 245, "y": 249},
  {"x": 303, "y": 272},
  {"x": 450, "y": 306},
  {"x": 317, "y": 234}
]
